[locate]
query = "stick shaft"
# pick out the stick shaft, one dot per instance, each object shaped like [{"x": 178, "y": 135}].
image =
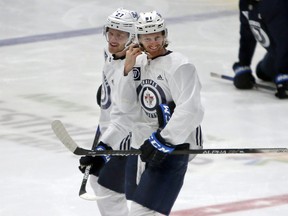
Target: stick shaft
[
  {"x": 82, "y": 190},
  {"x": 257, "y": 85},
  {"x": 81, "y": 151},
  {"x": 70, "y": 144}
]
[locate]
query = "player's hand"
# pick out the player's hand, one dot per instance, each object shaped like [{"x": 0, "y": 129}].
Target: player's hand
[
  {"x": 281, "y": 82},
  {"x": 155, "y": 149},
  {"x": 131, "y": 54},
  {"x": 96, "y": 162},
  {"x": 243, "y": 78}
]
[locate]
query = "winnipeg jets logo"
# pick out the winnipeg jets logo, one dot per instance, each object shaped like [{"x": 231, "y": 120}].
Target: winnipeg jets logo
[
  {"x": 105, "y": 94},
  {"x": 150, "y": 95},
  {"x": 136, "y": 73},
  {"x": 149, "y": 98},
  {"x": 259, "y": 34}
]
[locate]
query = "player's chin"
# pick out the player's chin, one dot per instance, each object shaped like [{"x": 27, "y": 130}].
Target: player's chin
[
  {"x": 114, "y": 48},
  {"x": 153, "y": 51}
]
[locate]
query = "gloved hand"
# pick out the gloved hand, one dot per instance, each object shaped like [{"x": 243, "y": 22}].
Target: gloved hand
[
  {"x": 164, "y": 113},
  {"x": 281, "y": 82},
  {"x": 96, "y": 162},
  {"x": 243, "y": 78},
  {"x": 155, "y": 149}
]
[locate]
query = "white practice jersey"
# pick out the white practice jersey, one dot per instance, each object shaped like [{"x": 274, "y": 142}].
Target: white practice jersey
[
  {"x": 164, "y": 79},
  {"x": 111, "y": 134},
  {"x": 106, "y": 91}
]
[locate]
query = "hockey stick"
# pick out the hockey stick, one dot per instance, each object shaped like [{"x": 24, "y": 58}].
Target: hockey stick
[
  {"x": 82, "y": 192},
  {"x": 257, "y": 85},
  {"x": 70, "y": 144}
]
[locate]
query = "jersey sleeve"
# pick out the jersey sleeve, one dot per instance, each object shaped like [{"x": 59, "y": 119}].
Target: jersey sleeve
[
  {"x": 126, "y": 91},
  {"x": 118, "y": 129},
  {"x": 185, "y": 89},
  {"x": 122, "y": 113},
  {"x": 127, "y": 88}
]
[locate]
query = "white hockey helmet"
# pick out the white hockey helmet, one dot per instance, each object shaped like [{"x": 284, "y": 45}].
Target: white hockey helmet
[
  {"x": 150, "y": 22},
  {"x": 123, "y": 20}
]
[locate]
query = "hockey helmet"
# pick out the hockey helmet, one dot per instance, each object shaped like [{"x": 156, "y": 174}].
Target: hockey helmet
[
  {"x": 123, "y": 20},
  {"x": 150, "y": 22}
]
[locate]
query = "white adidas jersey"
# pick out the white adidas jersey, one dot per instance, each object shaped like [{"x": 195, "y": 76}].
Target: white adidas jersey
[{"x": 164, "y": 79}]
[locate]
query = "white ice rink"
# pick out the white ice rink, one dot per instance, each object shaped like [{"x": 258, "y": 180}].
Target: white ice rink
[{"x": 50, "y": 67}]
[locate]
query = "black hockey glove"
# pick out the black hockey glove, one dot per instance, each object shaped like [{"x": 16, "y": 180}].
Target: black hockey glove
[
  {"x": 164, "y": 113},
  {"x": 98, "y": 96},
  {"x": 96, "y": 162},
  {"x": 281, "y": 82},
  {"x": 243, "y": 78},
  {"x": 154, "y": 150}
]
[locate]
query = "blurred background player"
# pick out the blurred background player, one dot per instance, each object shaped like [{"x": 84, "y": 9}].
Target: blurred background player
[
  {"x": 266, "y": 22},
  {"x": 158, "y": 78},
  {"x": 107, "y": 173}
]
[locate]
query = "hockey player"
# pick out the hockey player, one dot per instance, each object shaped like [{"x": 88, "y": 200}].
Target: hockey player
[
  {"x": 107, "y": 177},
  {"x": 266, "y": 22},
  {"x": 157, "y": 77}
]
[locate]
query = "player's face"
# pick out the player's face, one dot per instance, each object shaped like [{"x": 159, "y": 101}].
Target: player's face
[
  {"x": 153, "y": 43},
  {"x": 116, "y": 40}
]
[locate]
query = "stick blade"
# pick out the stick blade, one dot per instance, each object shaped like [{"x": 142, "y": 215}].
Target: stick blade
[
  {"x": 91, "y": 197},
  {"x": 213, "y": 74},
  {"x": 63, "y": 135}
]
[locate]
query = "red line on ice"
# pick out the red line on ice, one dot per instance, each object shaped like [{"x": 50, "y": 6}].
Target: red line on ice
[{"x": 234, "y": 206}]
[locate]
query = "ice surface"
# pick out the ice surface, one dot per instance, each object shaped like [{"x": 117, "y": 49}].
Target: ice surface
[{"x": 50, "y": 68}]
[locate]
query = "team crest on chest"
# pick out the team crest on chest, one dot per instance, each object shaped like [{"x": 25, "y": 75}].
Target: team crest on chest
[{"x": 150, "y": 95}]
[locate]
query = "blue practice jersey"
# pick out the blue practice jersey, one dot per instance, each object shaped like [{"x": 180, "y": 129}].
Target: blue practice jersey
[{"x": 265, "y": 21}]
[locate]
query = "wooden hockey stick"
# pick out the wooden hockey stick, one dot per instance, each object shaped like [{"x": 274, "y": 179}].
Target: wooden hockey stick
[
  {"x": 257, "y": 85},
  {"x": 70, "y": 144}
]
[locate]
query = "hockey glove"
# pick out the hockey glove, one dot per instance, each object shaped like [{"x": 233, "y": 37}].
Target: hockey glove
[
  {"x": 96, "y": 162},
  {"x": 164, "y": 113},
  {"x": 281, "y": 82},
  {"x": 154, "y": 150},
  {"x": 243, "y": 78}
]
